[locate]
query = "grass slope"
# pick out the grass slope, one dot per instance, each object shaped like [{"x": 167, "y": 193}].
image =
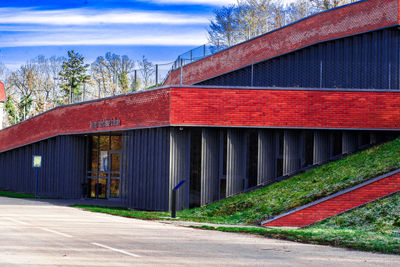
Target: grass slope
[
  {"x": 303, "y": 188},
  {"x": 253, "y": 207},
  {"x": 374, "y": 227}
]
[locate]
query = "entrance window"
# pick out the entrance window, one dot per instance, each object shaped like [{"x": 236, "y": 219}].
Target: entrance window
[{"x": 104, "y": 174}]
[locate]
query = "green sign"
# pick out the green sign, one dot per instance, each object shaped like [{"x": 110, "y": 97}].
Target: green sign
[{"x": 37, "y": 161}]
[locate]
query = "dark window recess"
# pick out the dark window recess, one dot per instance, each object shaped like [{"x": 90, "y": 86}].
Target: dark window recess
[
  {"x": 382, "y": 137},
  {"x": 336, "y": 143},
  {"x": 252, "y": 159},
  {"x": 223, "y": 152},
  {"x": 363, "y": 139},
  {"x": 195, "y": 167},
  {"x": 308, "y": 148},
  {"x": 279, "y": 154},
  {"x": 222, "y": 188}
]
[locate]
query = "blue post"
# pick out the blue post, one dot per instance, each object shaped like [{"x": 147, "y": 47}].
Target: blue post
[
  {"x": 37, "y": 181},
  {"x": 173, "y": 204}
]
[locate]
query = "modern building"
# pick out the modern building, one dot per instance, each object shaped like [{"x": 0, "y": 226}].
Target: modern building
[{"x": 246, "y": 117}]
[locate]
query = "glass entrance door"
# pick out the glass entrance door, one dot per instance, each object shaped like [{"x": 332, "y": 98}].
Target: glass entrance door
[
  {"x": 114, "y": 178},
  {"x": 104, "y": 174}
]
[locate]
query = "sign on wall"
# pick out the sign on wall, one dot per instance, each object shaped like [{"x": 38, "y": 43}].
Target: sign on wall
[
  {"x": 105, "y": 123},
  {"x": 37, "y": 161}
]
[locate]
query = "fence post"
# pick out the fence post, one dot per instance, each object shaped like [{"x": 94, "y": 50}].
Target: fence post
[
  {"x": 252, "y": 73},
  {"x": 156, "y": 75},
  {"x": 135, "y": 79},
  {"x": 320, "y": 75},
  {"x": 181, "y": 70}
]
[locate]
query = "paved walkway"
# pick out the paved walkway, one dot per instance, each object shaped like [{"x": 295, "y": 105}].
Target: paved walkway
[{"x": 36, "y": 233}]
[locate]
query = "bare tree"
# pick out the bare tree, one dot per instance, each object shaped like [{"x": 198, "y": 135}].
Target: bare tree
[
  {"x": 146, "y": 69},
  {"x": 111, "y": 73},
  {"x": 224, "y": 28},
  {"x": 322, "y": 5}
]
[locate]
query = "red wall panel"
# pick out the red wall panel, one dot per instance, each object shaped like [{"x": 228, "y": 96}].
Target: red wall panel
[
  {"x": 348, "y": 20},
  {"x": 285, "y": 108},
  {"x": 136, "y": 110},
  {"x": 229, "y": 107},
  {"x": 339, "y": 204}
]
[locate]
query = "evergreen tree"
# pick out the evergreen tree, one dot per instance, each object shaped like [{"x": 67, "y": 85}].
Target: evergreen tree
[{"x": 73, "y": 74}]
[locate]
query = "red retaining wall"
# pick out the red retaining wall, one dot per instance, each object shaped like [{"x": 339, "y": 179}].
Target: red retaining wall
[
  {"x": 134, "y": 111},
  {"x": 339, "y": 204},
  {"x": 341, "y": 22},
  {"x": 195, "y": 106},
  {"x": 285, "y": 108}
]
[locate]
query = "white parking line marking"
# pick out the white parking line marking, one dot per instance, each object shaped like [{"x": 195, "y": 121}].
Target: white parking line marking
[
  {"x": 18, "y": 221},
  {"x": 115, "y": 249},
  {"x": 55, "y": 232}
]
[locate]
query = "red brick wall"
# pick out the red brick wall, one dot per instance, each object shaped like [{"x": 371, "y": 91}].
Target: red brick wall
[
  {"x": 285, "y": 108},
  {"x": 340, "y": 203},
  {"x": 216, "y": 107},
  {"x": 137, "y": 110},
  {"x": 357, "y": 18}
]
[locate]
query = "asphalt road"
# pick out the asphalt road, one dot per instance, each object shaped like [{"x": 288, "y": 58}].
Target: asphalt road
[{"x": 41, "y": 234}]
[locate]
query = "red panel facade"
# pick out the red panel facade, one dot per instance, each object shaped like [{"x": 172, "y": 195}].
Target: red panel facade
[
  {"x": 339, "y": 204},
  {"x": 285, "y": 108},
  {"x": 230, "y": 107},
  {"x": 341, "y": 22},
  {"x": 133, "y": 111}
]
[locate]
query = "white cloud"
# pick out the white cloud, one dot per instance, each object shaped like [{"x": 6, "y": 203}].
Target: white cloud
[
  {"x": 191, "y": 2},
  {"x": 105, "y": 38},
  {"x": 206, "y": 2},
  {"x": 94, "y": 17}
]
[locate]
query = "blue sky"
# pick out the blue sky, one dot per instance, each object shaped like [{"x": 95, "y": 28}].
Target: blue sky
[{"x": 158, "y": 29}]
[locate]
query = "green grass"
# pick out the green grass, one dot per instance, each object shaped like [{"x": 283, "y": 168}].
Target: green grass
[
  {"x": 354, "y": 239},
  {"x": 255, "y": 206},
  {"x": 15, "y": 195},
  {"x": 124, "y": 212},
  {"x": 374, "y": 227}
]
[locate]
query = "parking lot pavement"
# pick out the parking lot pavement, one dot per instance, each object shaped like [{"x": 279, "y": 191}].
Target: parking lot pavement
[{"x": 41, "y": 234}]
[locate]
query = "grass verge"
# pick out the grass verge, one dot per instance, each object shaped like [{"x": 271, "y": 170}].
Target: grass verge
[
  {"x": 15, "y": 195},
  {"x": 354, "y": 239}
]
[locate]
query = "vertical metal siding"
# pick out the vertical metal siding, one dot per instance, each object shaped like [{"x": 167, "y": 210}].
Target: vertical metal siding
[
  {"x": 321, "y": 147},
  {"x": 369, "y": 61},
  {"x": 291, "y": 152},
  {"x": 62, "y": 172},
  {"x": 145, "y": 169},
  {"x": 209, "y": 165},
  {"x": 180, "y": 165},
  {"x": 266, "y": 157},
  {"x": 236, "y": 161}
]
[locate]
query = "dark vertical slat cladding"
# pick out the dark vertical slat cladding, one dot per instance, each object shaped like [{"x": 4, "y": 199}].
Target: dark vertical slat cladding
[
  {"x": 266, "y": 157},
  {"x": 368, "y": 60},
  {"x": 350, "y": 142},
  {"x": 209, "y": 166},
  {"x": 151, "y": 191},
  {"x": 62, "y": 171},
  {"x": 291, "y": 152},
  {"x": 180, "y": 165},
  {"x": 321, "y": 147},
  {"x": 146, "y": 180},
  {"x": 236, "y": 161}
]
